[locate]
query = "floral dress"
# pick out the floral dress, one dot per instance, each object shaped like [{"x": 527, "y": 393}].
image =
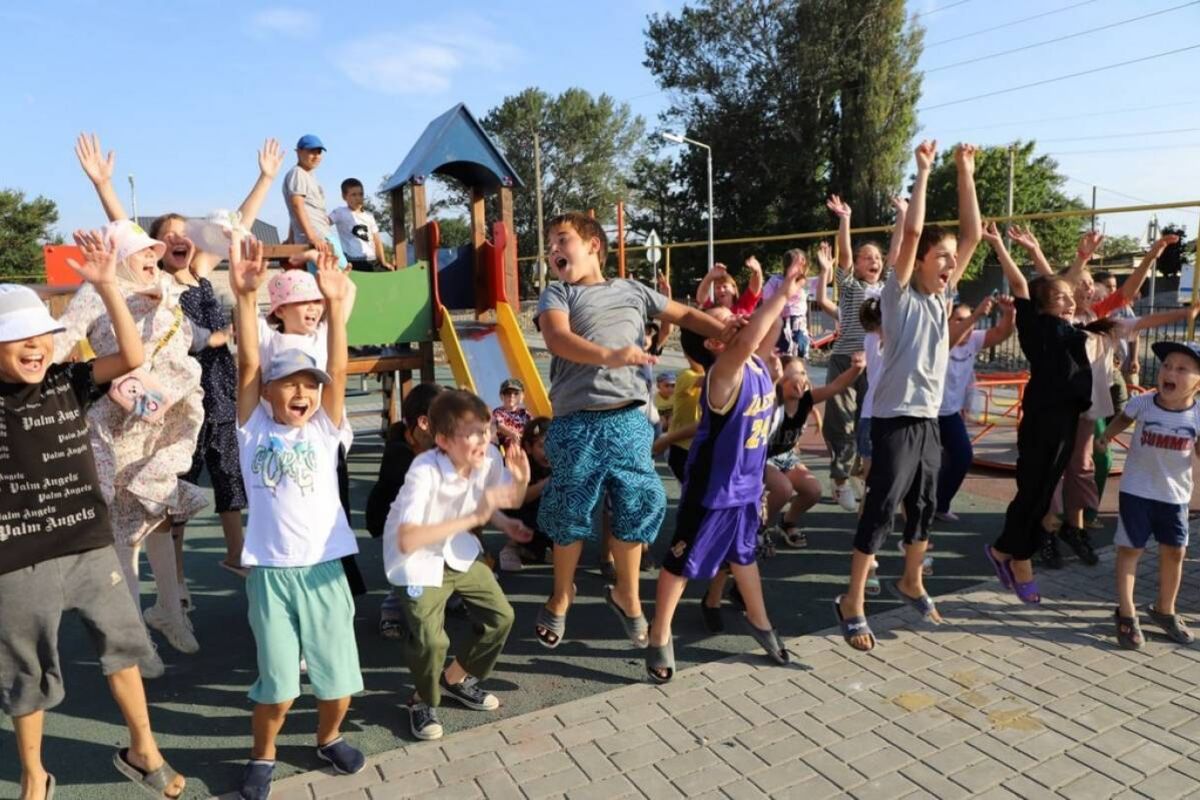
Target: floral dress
[{"x": 139, "y": 462}]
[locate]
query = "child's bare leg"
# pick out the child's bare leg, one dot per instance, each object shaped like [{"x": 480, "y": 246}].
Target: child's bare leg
[
  {"x": 807, "y": 493},
  {"x": 1126, "y": 573},
  {"x": 627, "y": 559},
  {"x": 779, "y": 491},
  {"x": 177, "y": 537},
  {"x": 716, "y": 589},
  {"x": 1170, "y": 573},
  {"x": 606, "y": 536},
  {"x": 28, "y": 729},
  {"x": 128, "y": 554},
  {"x": 267, "y": 720},
  {"x": 666, "y": 600},
  {"x": 127, "y": 690},
  {"x": 160, "y": 552},
  {"x": 749, "y": 585},
  {"x": 566, "y": 559},
  {"x": 911, "y": 583},
  {"x": 231, "y": 528},
  {"x": 854, "y": 600},
  {"x": 455, "y": 673},
  {"x": 1022, "y": 570},
  {"x": 330, "y": 714}
]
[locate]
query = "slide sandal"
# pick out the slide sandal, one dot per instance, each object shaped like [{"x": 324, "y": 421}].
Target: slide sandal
[
  {"x": 550, "y": 628},
  {"x": 661, "y": 659},
  {"x": 1129, "y": 631},
  {"x": 923, "y": 604},
  {"x": 636, "y": 628},
  {"x": 852, "y": 627},
  {"x": 154, "y": 783},
  {"x": 1003, "y": 568},
  {"x": 1172, "y": 624},
  {"x": 769, "y": 641}
]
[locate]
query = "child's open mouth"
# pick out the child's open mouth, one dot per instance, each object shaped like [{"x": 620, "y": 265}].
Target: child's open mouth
[
  {"x": 32, "y": 364},
  {"x": 298, "y": 408},
  {"x": 1168, "y": 386},
  {"x": 561, "y": 262}
]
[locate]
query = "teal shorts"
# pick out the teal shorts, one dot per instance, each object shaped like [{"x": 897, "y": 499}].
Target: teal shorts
[{"x": 303, "y": 611}]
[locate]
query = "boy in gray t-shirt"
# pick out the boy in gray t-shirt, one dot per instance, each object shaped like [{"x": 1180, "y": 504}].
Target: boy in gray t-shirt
[
  {"x": 303, "y": 195},
  {"x": 905, "y": 443},
  {"x": 599, "y": 442}
]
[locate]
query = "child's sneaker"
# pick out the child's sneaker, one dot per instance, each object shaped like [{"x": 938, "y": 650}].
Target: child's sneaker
[
  {"x": 1048, "y": 555},
  {"x": 510, "y": 559},
  {"x": 845, "y": 497},
  {"x": 177, "y": 630},
  {"x": 470, "y": 695},
  {"x": 1081, "y": 543},
  {"x": 392, "y": 628},
  {"x": 152, "y": 665},
  {"x": 344, "y": 759},
  {"x": 423, "y": 721}
]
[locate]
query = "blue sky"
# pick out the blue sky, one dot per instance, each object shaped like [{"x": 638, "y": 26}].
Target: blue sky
[{"x": 186, "y": 91}]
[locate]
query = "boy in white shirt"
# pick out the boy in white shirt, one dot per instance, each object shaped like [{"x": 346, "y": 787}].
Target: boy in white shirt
[
  {"x": 1156, "y": 487},
  {"x": 428, "y": 547},
  {"x": 358, "y": 231},
  {"x": 299, "y": 601}
]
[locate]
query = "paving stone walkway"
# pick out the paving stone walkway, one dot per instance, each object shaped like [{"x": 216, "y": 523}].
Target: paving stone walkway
[{"x": 1002, "y": 701}]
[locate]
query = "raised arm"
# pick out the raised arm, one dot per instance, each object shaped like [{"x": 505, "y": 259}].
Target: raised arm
[
  {"x": 1016, "y": 281},
  {"x": 969, "y": 232},
  {"x": 270, "y": 157},
  {"x": 99, "y": 169},
  {"x": 246, "y": 273},
  {"x": 858, "y": 362},
  {"x": 825, "y": 260},
  {"x": 99, "y": 268},
  {"x": 1004, "y": 328},
  {"x": 958, "y": 327},
  {"x": 754, "y": 285},
  {"x": 564, "y": 343},
  {"x": 665, "y": 325},
  {"x": 845, "y": 256},
  {"x": 914, "y": 220},
  {"x": 335, "y": 287},
  {"x": 1025, "y": 238},
  {"x": 704, "y": 290},
  {"x": 901, "y": 207},
  {"x": 1166, "y": 317},
  {"x": 1132, "y": 285},
  {"x": 1089, "y": 243}
]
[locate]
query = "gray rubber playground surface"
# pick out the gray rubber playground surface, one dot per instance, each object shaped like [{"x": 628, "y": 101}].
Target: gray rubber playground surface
[{"x": 202, "y": 716}]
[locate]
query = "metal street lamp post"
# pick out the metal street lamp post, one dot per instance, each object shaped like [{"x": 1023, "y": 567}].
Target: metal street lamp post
[{"x": 681, "y": 139}]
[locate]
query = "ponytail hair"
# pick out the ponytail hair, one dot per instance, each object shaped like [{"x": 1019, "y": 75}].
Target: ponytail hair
[{"x": 870, "y": 315}]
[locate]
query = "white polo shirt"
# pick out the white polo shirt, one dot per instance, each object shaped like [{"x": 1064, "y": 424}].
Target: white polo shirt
[{"x": 434, "y": 492}]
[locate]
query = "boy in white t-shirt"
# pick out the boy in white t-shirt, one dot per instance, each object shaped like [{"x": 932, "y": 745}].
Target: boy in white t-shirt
[
  {"x": 299, "y": 601},
  {"x": 429, "y": 548},
  {"x": 1156, "y": 487},
  {"x": 358, "y": 231}
]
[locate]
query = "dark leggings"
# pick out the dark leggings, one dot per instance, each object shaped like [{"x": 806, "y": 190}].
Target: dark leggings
[
  {"x": 1045, "y": 439},
  {"x": 957, "y": 455}
]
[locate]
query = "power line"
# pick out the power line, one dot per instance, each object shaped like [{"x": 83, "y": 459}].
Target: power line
[
  {"x": 1007, "y": 24},
  {"x": 946, "y": 7},
  {"x": 1059, "y": 78},
  {"x": 1120, "y": 135},
  {"x": 1190, "y": 146},
  {"x": 1071, "y": 117},
  {"x": 1060, "y": 38}
]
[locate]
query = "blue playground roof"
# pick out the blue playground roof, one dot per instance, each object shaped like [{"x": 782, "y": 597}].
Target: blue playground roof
[{"x": 456, "y": 145}]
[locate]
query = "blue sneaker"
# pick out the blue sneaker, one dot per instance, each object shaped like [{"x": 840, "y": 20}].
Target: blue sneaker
[
  {"x": 344, "y": 759},
  {"x": 256, "y": 780}
]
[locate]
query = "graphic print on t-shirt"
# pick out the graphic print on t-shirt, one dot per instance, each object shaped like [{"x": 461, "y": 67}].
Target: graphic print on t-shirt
[
  {"x": 360, "y": 231},
  {"x": 276, "y": 462},
  {"x": 1155, "y": 434}
]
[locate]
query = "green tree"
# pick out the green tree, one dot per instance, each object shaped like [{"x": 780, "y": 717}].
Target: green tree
[
  {"x": 454, "y": 231},
  {"x": 798, "y": 99},
  {"x": 1120, "y": 246},
  {"x": 25, "y": 225},
  {"x": 1037, "y": 186}
]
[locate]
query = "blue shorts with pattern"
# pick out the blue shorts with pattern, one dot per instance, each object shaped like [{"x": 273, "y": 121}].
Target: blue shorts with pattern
[{"x": 593, "y": 453}]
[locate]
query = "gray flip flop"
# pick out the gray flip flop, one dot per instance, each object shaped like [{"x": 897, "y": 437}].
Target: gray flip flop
[
  {"x": 154, "y": 783},
  {"x": 553, "y": 625},
  {"x": 923, "y": 604},
  {"x": 768, "y": 640},
  {"x": 636, "y": 628},
  {"x": 1172, "y": 624},
  {"x": 661, "y": 658}
]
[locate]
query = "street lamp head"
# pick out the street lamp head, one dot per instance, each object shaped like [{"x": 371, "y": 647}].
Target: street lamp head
[{"x": 672, "y": 137}]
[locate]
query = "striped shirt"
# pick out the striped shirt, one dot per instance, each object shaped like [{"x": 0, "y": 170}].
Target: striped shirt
[{"x": 851, "y": 293}]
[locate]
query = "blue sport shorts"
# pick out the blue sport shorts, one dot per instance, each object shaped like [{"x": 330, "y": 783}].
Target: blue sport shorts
[{"x": 1138, "y": 518}]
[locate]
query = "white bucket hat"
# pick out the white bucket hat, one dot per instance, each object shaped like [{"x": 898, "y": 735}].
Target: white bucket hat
[{"x": 23, "y": 315}]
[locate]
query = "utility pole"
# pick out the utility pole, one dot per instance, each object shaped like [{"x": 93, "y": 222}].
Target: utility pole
[
  {"x": 1093, "y": 208},
  {"x": 537, "y": 190},
  {"x": 133, "y": 198},
  {"x": 1012, "y": 153}
]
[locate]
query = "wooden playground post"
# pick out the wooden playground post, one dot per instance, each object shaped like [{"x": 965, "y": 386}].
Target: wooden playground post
[
  {"x": 1191, "y": 326},
  {"x": 399, "y": 230},
  {"x": 420, "y": 217},
  {"x": 511, "y": 276}
]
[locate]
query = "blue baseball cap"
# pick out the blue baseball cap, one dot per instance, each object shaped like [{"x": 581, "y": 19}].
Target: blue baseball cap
[
  {"x": 289, "y": 362},
  {"x": 1164, "y": 349},
  {"x": 310, "y": 141}
]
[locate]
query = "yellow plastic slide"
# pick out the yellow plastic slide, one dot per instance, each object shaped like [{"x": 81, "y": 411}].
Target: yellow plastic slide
[{"x": 483, "y": 355}]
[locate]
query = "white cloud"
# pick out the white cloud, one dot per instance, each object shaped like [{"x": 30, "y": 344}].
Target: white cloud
[
  {"x": 425, "y": 59},
  {"x": 291, "y": 22}
]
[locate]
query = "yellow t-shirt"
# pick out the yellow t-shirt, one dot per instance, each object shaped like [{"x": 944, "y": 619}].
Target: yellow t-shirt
[
  {"x": 664, "y": 404},
  {"x": 686, "y": 406}
]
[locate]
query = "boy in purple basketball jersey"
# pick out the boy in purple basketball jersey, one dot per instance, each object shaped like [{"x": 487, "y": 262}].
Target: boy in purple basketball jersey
[{"x": 720, "y": 510}]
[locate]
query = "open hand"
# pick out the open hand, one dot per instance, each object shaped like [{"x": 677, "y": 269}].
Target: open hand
[
  {"x": 753, "y": 265},
  {"x": 331, "y": 280},
  {"x": 99, "y": 266},
  {"x": 1165, "y": 241},
  {"x": 964, "y": 157},
  {"x": 1024, "y": 237},
  {"x": 270, "y": 158},
  {"x": 628, "y": 356},
  {"x": 732, "y": 325},
  {"x": 664, "y": 285},
  {"x": 247, "y": 270},
  {"x": 900, "y": 204},
  {"x": 991, "y": 234},
  {"x": 517, "y": 462},
  {"x": 925, "y": 153},
  {"x": 1089, "y": 243},
  {"x": 1005, "y": 301},
  {"x": 516, "y": 530},
  {"x": 96, "y": 166},
  {"x": 839, "y": 207},
  {"x": 984, "y": 308},
  {"x": 825, "y": 257}
]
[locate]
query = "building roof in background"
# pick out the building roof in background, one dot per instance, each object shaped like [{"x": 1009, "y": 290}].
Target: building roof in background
[{"x": 263, "y": 231}]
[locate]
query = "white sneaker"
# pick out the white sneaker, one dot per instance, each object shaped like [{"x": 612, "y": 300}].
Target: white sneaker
[
  {"x": 152, "y": 666},
  {"x": 176, "y": 630},
  {"x": 510, "y": 559},
  {"x": 845, "y": 496}
]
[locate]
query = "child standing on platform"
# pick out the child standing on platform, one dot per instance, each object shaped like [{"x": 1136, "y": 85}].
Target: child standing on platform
[
  {"x": 358, "y": 231},
  {"x": 600, "y": 439},
  {"x": 291, "y": 427},
  {"x": 429, "y": 550},
  {"x": 1156, "y": 487},
  {"x": 905, "y": 445},
  {"x": 58, "y": 556}
]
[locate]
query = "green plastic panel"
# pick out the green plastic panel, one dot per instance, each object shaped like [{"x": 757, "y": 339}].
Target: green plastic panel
[{"x": 392, "y": 307}]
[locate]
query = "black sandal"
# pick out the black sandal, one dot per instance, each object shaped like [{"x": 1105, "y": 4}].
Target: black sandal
[
  {"x": 1129, "y": 631},
  {"x": 769, "y": 640},
  {"x": 1172, "y": 624},
  {"x": 660, "y": 662}
]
